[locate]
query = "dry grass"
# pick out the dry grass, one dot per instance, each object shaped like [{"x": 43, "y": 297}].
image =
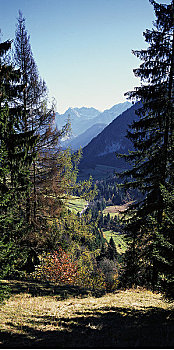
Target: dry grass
[
  {"x": 117, "y": 209},
  {"x": 130, "y": 318}
]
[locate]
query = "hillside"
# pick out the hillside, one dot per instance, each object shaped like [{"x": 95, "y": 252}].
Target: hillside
[
  {"x": 83, "y": 139},
  {"x": 48, "y": 316},
  {"x": 101, "y": 150}
]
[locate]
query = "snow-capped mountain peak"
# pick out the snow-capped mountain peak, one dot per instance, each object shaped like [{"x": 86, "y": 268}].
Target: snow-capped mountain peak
[{"x": 84, "y": 117}]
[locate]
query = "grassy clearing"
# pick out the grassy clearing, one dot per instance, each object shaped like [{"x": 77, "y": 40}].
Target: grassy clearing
[
  {"x": 116, "y": 210},
  {"x": 134, "y": 318},
  {"x": 119, "y": 241},
  {"x": 76, "y": 204}
]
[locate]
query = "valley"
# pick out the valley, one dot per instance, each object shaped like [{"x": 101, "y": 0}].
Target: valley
[
  {"x": 87, "y": 195},
  {"x": 79, "y": 206}
]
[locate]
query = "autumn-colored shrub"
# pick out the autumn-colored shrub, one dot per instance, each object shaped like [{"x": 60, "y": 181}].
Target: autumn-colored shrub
[{"x": 57, "y": 267}]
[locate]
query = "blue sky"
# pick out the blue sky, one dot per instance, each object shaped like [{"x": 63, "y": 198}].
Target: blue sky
[{"x": 83, "y": 47}]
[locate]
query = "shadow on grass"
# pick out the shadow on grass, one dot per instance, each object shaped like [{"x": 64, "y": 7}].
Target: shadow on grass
[
  {"x": 48, "y": 289},
  {"x": 103, "y": 328}
]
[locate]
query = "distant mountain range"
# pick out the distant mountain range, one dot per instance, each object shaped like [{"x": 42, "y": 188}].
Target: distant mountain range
[
  {"x": 87, "y": 123},
  {"x": 101, "y": 150}
]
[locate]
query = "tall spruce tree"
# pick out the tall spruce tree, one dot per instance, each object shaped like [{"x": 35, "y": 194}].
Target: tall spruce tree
[
  {"x": 152, "y": 158},
  {"x": 112, "y": 251},
  {"x": 14, "y": 166}
]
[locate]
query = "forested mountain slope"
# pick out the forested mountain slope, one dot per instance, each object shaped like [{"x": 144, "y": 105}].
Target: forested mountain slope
[{"x": 101, "y": 150}]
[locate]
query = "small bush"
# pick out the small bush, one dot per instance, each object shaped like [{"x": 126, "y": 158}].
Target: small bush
[
  {"x": 94, "y": 279},
  {"x": 89, "y": 276},
  {"x": 110, "y": 272},
  {"x": 56, "y": 267}
]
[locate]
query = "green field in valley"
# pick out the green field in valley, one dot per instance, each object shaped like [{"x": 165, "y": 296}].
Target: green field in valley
[
  {"x": 112, "y": 215},
  {"x": 119, "y": 240},
  {"x": 76, "y": 204}
]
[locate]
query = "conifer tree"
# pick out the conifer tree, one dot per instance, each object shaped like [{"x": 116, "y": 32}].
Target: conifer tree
[
  {"x": 112, "y": 251},
  {"x": 37, "y": 116},
  {"x": 53, "y": 172},
  {"x": 152, "y": 136},
  {"x": 166, "y": 242},
  {"x": 14, "y": 165}
]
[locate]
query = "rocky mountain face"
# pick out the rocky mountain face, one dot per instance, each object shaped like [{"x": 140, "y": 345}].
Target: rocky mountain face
[
  {"x": 84, "y": 118},
  {"x": 101, "y": 150},
  {"x": 81, "y": 119}
]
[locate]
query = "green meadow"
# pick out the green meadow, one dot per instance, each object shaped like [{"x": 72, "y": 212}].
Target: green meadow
[
  {"x": 119, "y": 240},
  {"x": 76, "y": 204}
]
